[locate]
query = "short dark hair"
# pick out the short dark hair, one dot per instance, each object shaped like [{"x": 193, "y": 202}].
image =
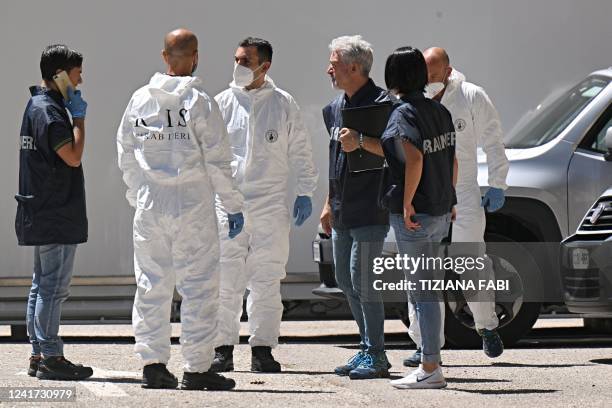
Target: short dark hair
[
  {"x": 58, "y": 56},
  {"x": 264, "y": 48},
  {"x": 406, "y": 71}
]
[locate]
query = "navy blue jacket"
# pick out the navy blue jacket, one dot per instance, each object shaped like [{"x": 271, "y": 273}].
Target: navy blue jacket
[
  {"x": 51, "y": 198},
  {"x": 427, "y": 125},
  {"x": 353, "y": 197}
]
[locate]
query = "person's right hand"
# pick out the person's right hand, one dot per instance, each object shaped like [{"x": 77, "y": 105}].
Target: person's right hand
[
  {"x": 408, "y": 214},
  {"x": 326, "y": 218},
  {"x": 76, "y": 105}
]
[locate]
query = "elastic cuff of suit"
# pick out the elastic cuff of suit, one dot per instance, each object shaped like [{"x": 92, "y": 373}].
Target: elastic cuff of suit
[
  {"x": 153, "y": 361},
  {"x": 263, "y": 344}
]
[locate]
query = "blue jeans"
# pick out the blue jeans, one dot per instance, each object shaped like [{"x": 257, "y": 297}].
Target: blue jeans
[
  {"x": 53, "y": 266},
  {"x": 414, "y": 243},
  {"x": 352, "y": 248}
]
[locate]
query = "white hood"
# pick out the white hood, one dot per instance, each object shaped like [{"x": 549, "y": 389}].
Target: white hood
[
  {"x": 455, "y": 79},
  {"x": 174, "y": 85}
]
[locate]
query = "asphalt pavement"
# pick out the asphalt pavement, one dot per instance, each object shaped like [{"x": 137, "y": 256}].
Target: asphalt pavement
[{"x": 545, "y": 370}]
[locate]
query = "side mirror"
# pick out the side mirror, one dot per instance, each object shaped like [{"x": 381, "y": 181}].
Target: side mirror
[{"x": 608, "y": 141}]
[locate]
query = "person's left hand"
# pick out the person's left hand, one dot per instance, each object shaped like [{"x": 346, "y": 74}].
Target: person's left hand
[
  {"x": 236, "y": 222},
  {"x": 493, "y": 200},
  {"x": 349, "y": 139},
  {"x": 302, "y": 208}
]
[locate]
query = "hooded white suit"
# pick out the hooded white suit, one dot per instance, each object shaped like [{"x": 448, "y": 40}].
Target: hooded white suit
[
  {"x": 268, "y": 140},
  {"x": 175, "y": 156},
  {"x": 477, "y": 124}
]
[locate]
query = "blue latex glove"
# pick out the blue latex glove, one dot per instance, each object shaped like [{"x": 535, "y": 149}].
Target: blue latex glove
[
  {"x": 75, "y": 104},
  {"x": 236, "y": 222},
  {"x": 493, "y": 200},
  {"x": 302, "y": 208}
]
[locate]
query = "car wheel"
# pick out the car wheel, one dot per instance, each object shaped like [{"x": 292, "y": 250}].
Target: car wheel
[
  {"x": 19, "y": 332},
  {"x": 516, "y": 318},
  {"x": 326, "y": 275},
  {"x": 459, "y": 335}
]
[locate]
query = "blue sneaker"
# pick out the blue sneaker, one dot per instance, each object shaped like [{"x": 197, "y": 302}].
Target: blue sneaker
[
  {"x": 372, "y": 366},
  {"x": 351, "y": 364},
  {"x": 492, "y": 344},
  {"x": 414, "y": 360}
]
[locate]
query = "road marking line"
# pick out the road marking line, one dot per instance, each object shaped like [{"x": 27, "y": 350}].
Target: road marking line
[
  {"x": 108, "y": 389},
  {"x": 103, "y": 389},
  {"x": 100, "y": 372}
]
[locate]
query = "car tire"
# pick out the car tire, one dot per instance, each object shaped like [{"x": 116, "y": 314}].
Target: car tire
[
  {"x": 459, "y": 335},
  {"x": 327, "y": 276},
  {"x": 19, "y": 332}
]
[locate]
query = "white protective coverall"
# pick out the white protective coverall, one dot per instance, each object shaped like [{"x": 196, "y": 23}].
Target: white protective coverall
[
  {"x": 477, "y": 124},
  {"x": 175, "y": 156},
  {"x": 268, "y": 140}
]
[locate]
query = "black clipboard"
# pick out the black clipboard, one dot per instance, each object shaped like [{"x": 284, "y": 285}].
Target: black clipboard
[{"x": 370, "y": 121}]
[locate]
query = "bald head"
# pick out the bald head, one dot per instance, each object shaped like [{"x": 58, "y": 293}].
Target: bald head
[
  {"x": 438, "y": 64},
  {"x": 180, "y": 51},
  {"x": 437, "y": 54}
]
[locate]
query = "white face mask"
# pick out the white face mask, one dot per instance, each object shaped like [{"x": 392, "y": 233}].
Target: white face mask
[
  {"x": 243, "y": 76},
  {"x": 434, "y": 88}
]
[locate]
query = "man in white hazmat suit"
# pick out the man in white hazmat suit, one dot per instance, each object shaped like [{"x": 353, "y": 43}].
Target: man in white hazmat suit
[
  {"x": 268, "y": 140},
  {"x": 477, "y": 124},
  {"x": 175, "y": 156}
]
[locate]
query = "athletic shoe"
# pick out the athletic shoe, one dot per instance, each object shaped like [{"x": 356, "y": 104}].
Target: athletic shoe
[
  {"x": 224, "y": 359},
  {"x": 351, "y": 364},
  {"x": 263, "y": 361},
  {"x": 206, "y": 381},
  {"x": 157, "y": 376},
  {"x": 414, "y": 360},
  {"x": 492, "y": 344},
  {"x": 58, "y": 368},
  {"x": 372, "y": 366},
  {"x": 419, "y": 379},
  {"x": 33, "y": 368}
]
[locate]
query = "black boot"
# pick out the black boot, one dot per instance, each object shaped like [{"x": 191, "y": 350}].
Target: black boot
[
  {"x": 33, "y": 367},
  {"x": 58, "y": 368},
  {"x": 263, "y": 361},
  {"x": 208, "y": 380},
  {"x": 224, "y": 359},
  {"x": 157, "y": 376}
]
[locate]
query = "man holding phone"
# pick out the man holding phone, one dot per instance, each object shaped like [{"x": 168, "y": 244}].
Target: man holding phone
[{"x": 51, "y": 212}]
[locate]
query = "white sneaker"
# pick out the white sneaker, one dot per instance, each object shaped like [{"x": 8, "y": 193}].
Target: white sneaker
[{"x": 419, "y": 379}]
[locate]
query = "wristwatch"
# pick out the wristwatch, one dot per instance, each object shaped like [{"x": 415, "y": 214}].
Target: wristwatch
[{"x": 361, "y": 141}]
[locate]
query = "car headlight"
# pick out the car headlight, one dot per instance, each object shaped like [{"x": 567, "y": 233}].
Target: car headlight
[{"x": 580, "y": 258}]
